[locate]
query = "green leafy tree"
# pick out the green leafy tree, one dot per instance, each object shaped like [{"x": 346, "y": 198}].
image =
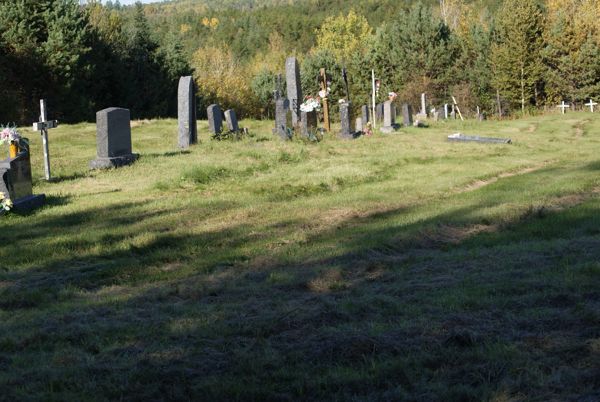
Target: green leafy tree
[
  {"x": 344, "y": 36},
  {"x": 516, "y": 54}
]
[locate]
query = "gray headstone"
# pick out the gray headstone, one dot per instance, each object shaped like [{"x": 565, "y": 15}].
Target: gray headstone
[
  {"x": 364, "y": 114},
  {"x": 186, "y": 112},
  {"x": 15, "y": 183},
  {"x": 407, "y": 116},
  {"x": 345, "y": 111},
  {"x": 445, "y": 111},
  {"x": 359, "y": 125},
  {"x": 231, "y": 119},
  {"x": 423, "y": 105},
  {"x": 282, "y": 107},
  {"x": 294, "y": 90},
  {"x": 215, "y": 119},
  {"x": 389, "y": 118},
  {"x": 308, "y": 123},
  {"x": 113, "y": 139}
]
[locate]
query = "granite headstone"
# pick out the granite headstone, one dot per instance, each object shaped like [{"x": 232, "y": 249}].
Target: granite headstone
[
  {"x": 231, "y": 119},
  {"x": 282, "y": 107},
  {"x": 345, "y": 120},
  {"x": 407, "y": 116},
  {"x": 215, "y": 119},
  {"x": 186, "y": 112},
  {"x": 113, "y": 139},
  {"x": 294, "y": 90}
]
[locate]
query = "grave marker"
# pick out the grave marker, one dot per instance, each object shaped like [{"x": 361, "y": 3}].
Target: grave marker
[
  {"x": 43, "y": 126},
  {"x": 215, "y": 119},
  {"x": 186, "y": 112},
  {"x": 282, "y": 107},
  {"x": 324, "y": 90},
  {"x": 113, "y": 139},
  {"x": 294, "y": 90},
  {"x": 359, "y": 125},
  {"x": 308, "y": 123},
  {"x": 232, "y": 122},
  {"x": 16, "y": 183},
  {"x": 423, "y": 106},
  {"x": 563, "y": 106},
  {"x": 364, "y": 114},
  {"x": 591, "y": 105},
  {"x": 345, "y": 109},
  {"x": 388, "y": 118},
  {"x": 407, "y": 115}
]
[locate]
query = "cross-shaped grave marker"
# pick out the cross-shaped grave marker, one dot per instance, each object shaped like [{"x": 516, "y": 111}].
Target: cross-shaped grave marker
[
  {"x": 563, "y": 106},
  {"x": 324, "y": 84},
  {"x": 591, "y": 105},
  {"x": 43, "y": 126}
]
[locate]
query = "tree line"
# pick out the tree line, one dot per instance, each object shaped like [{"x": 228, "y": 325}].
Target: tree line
[{"x": 508, "y": 57}]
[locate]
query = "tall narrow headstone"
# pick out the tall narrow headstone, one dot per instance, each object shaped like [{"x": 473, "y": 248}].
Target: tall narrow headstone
[
  {"x": 423, "y": 105},
  {"x": 388, "y": 117},
  {"x": 364, "y": 114},
  {"x": 186, "y": 112},
  {"x": 231, "y": 119},
  {"x": 113, "y": 139},
  {"x": 407, "y": 115},
  {"x": 294, "y": 90},
  {"x": 445, "y": 111},
  {"x": 282, "y": 107},
  {"x": 345, "y": 109},
  {"x": 379, "y": 111},
  {"x": 215, "y": 119}
]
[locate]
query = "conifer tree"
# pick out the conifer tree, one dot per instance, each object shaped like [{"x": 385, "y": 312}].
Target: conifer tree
[{"x": 516, "y": 54}]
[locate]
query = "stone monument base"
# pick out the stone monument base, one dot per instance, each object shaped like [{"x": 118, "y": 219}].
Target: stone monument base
[
  {"x": 116, "y": 161},
  {"x": 389, "y": 129},
  {"x": 27, "y": 204}
]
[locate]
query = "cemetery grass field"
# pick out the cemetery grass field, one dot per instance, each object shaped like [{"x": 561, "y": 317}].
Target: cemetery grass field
[{"x": 393, "y": 267}]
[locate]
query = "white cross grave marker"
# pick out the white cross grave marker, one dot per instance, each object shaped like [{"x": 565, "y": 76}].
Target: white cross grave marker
[
  {"x": 563, "y": 106},
  {"x": 591, "y": 105},
  {"x": 42, "y": 126}
]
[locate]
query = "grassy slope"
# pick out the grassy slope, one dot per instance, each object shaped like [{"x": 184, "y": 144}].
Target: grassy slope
[{"x": 398, "y": 266}]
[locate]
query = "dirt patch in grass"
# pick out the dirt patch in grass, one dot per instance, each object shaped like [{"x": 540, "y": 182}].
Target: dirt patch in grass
[{"x": 482, "y": 183}]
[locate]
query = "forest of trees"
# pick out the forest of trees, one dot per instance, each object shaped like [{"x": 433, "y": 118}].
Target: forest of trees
[{"x": 512, "y": 56}]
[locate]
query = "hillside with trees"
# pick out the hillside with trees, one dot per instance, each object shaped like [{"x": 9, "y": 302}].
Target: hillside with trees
[{"x": 510, "y": 57}]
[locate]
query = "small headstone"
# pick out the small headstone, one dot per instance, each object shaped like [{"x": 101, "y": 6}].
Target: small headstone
[
  {"x": 407, "y": 115},
  {"x": 113, "y": 139},
  {"x": 294, "y": 90},
  {"x": 345, "y": 109},
  {"x": 308, "y": 123},
  {"x": 389, "y": 122},
  {"x": 359, "y": 125},
  {"x": 364, "y": 114},
  {"x": 215, "y": 119},
  {"x": 282, "y": 107},
  {"x": 231, "y": 119},
  {"x": 435, "y": 115},
  {"x": 186, "y": 112}
]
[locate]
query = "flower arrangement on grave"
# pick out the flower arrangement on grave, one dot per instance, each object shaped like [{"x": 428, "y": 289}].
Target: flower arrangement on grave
[
  {"x": 10, "y": 135},
  {"x": 5, "y": 203},
  {"x": 392, "y": 96},
  {"x": 368, "y": 129},
  {"x": 311, "y": 104}
]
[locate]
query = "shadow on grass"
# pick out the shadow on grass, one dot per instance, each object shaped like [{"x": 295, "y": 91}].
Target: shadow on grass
[{"x": 507, "y": 312}]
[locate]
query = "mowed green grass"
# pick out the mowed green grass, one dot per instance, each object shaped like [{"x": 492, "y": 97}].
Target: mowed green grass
[{"x": 393, "y": 267}]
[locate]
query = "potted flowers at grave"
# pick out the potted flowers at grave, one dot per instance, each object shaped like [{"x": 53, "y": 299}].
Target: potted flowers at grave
[
  {"x": 5, "y": 203},
  {"x": 10, "y": 135},
  {"x": 308, "y": 116}
]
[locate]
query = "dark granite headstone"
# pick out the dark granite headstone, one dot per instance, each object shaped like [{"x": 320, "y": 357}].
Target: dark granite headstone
[
  {"x": 282, "y": 107},
  {"x": 407, "y": 115},
  {"x": 364, "y": 114},
  {"x": 215, "y": 119},
  {"x": 186, "y": 112},
  {"x": 379, "y": 111},
  {"x": 345, "y": 119},
  {"x": 113, "y": 139},
  {"x": 231, "y": 119},
  {"x": 308, "y": 123},
  {"x": 294, "y": 90},
  {"x": 15, "y": 183}
]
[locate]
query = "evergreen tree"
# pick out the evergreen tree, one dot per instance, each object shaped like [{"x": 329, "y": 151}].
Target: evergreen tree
[{"x": 516, "y": 54}]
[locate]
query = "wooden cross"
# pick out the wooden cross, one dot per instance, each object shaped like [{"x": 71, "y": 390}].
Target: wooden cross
[
  {"x": 591, "y": 105},
  {"x": 457, "y": 109},
  {"x": 563, "y": 106},
  {"x": 323, "y": 83},
  {"x": 43, "y": 126}
]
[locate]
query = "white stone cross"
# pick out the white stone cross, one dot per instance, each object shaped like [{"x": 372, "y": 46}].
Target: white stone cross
[
  {"x": 591, "y": 105},
  {"x": 42, "y": 126},
  {"x": 563, "y": 106}
]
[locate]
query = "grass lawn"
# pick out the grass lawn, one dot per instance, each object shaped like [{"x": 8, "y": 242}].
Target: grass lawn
[{"x": 393, "y": 267}]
